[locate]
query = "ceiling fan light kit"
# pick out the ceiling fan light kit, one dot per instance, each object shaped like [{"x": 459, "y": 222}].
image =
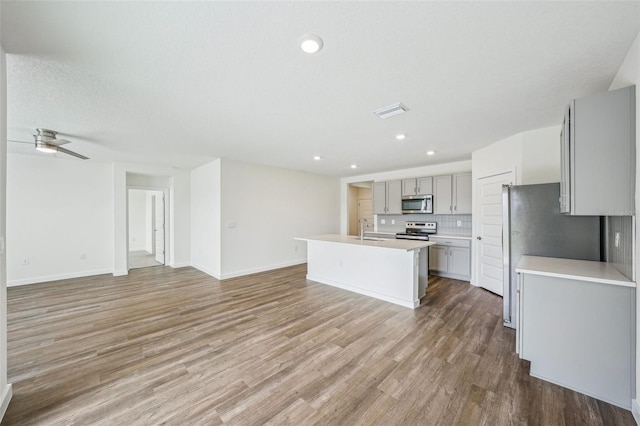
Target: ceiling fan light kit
[
  {"x": 47, "y": 142},
  {"x": 45, "y": 147}
]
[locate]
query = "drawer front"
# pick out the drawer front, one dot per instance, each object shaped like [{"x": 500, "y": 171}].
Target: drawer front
[{"x": 451, "y": 242}]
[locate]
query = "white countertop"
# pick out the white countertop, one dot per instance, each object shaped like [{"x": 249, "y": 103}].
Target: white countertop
[
  {"x": 386, "y": 243},
  {"x": 585, "y": 270}
]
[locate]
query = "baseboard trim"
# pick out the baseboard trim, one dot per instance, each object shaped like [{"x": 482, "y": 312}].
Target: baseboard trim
[
  {"x": 250, "y": 271},
  {"x": 35, "y": 280},
  {"x": 211, "y": 273},
  {"x": 6, "y": 398},
  {"x": 358, "y": 290},
  {"x": 120, "y": 273},
  {"x": 180, "y": 264},
  {"x": 635, "y": 410}
]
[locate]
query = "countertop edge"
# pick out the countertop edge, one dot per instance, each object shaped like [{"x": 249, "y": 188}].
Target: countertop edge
[
  {"x": 386, "y": 244},
  {"x": 549, "y": 266},
  {"x": 453, "y": 237}
]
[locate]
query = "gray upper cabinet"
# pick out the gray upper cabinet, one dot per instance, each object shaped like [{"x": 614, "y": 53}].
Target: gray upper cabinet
[
  {"x": 419, "y": 186},
  {"x": 462, "y": 194},
  {"x": 598, "y": 155},
  {"x": 442, "y": 202},
  {"x": 425, "y": 186},
  {"x": 394, "y": 197},
  {"x": 379, "y": 193},
  {"x": 452, "y": 194},
  {"x": 387, "y": 197},
  {"x": 409, "y": 187}
]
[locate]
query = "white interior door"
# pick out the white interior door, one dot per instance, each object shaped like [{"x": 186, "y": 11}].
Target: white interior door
[
  {"x": 158, "y": 203},
  {"x": 490, "y": 258}
]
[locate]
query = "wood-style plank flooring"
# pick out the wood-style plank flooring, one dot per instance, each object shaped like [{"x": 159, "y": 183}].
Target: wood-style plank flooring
[{"x": 165, "y": 346}]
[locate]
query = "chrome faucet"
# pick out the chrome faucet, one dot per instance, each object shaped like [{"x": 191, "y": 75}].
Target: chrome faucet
[{"x": 362, "y": 224}]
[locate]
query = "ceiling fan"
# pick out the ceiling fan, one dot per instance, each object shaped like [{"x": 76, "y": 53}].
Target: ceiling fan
[{"x": 46, "y": 141}]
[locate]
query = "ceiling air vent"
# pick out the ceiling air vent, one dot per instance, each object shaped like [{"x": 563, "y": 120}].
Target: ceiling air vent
[{"x": 391, "y": 110}]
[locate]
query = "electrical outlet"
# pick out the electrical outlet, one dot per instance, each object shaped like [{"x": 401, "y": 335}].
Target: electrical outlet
[
  {"x": 25, "y": 261},
  {"x": 83, "y": 256},
  {"x": 382, "y": 221},
  {"x": 393, "y": 221},
  {"x": 617, "y": 239},
  {"x": 459, "y": 223}
]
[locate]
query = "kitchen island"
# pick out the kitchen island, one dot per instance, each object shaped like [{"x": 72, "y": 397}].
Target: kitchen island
[{"x": 392, "y": 270}]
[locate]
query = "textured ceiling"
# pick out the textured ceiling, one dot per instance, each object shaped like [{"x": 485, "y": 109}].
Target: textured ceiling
[{"x": 181, "y": 83}]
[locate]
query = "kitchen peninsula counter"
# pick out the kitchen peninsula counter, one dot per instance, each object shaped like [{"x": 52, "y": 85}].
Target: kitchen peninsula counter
[{"x": 392, "y": 270}]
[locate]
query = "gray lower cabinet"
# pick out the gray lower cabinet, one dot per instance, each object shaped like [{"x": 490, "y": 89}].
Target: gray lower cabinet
[
  {"x": 579, "y": 334},
  {"x": 450, "y": 258}
]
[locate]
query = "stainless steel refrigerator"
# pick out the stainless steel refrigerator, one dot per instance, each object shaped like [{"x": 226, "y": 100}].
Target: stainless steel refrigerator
[{"x": 532, "y": 224}]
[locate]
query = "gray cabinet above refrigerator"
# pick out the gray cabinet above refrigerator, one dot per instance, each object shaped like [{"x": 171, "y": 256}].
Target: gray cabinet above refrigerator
[{"x": 598, "y": 155}]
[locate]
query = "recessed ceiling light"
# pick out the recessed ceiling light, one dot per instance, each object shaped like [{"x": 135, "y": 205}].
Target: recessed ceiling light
[
  {"x": 317, "y": 157},
  {"x": 430, "y": 152},
  {"x": 401, "y": 136},
  {"x": 311, "y": 43},
  {"x": 354, "y": 166}
]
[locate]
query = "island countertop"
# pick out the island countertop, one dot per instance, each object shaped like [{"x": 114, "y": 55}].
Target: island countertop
[{"x": 386, "y": 243}]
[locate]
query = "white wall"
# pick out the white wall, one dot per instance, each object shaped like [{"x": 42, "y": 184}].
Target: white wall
[
  {"x": 533, "y": 155},
  {"x": 5, "y": 388},
  {"x": 179, "y": 214},
  {"x": 434, "y": 170},
  {"x": 205, "y": 218},
  {"x": 56, "y": 216},
  {"x": 629, "y": 74},
  {"x": 137, "y": 220},
  {"x": 264, "y": 208}
]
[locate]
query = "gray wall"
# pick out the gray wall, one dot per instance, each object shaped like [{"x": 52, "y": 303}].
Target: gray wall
[
  {"x": 622, "y": 256},
  {"x": 447, "y": 223}
]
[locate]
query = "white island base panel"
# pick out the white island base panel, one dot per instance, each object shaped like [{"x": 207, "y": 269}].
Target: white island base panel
[{"x": 394, "y": 275}]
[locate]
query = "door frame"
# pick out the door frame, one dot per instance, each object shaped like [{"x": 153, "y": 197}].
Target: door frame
[
  {"x": 475, "y": 224},
  {"x": 165, "y": 192}
]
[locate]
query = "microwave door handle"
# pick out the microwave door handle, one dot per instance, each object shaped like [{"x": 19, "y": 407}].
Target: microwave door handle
[{"x": 424, "y": 204}]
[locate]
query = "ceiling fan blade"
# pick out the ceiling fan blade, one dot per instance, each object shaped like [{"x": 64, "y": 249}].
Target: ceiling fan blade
[
  {"x": 75, "y": 154},
  {"x": 57, "y": 142},
  {"x": 14, "y": 141}
]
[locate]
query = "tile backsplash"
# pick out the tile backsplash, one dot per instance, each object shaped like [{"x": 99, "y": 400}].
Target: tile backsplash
[
  {"x": 620, "y": 257},
  {"x": 447, "y": 223}
]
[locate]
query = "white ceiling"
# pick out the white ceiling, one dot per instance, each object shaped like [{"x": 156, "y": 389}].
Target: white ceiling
[{"x": 181, "y": 83}]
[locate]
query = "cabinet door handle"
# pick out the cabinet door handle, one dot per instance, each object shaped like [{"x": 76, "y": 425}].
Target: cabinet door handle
[{"x": 455, "y": 208}]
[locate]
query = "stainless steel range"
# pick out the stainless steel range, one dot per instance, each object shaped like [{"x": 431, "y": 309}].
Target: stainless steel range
[{"x": 417, "y": 231}]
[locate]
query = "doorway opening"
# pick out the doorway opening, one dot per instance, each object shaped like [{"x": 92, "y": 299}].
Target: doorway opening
[
  {"x": 146, "y": 228},
  {"x": 360, "y": 207}
]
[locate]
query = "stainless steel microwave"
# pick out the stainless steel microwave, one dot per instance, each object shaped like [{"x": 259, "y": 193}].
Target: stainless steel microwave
[{"x": 417, "y": 204}]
